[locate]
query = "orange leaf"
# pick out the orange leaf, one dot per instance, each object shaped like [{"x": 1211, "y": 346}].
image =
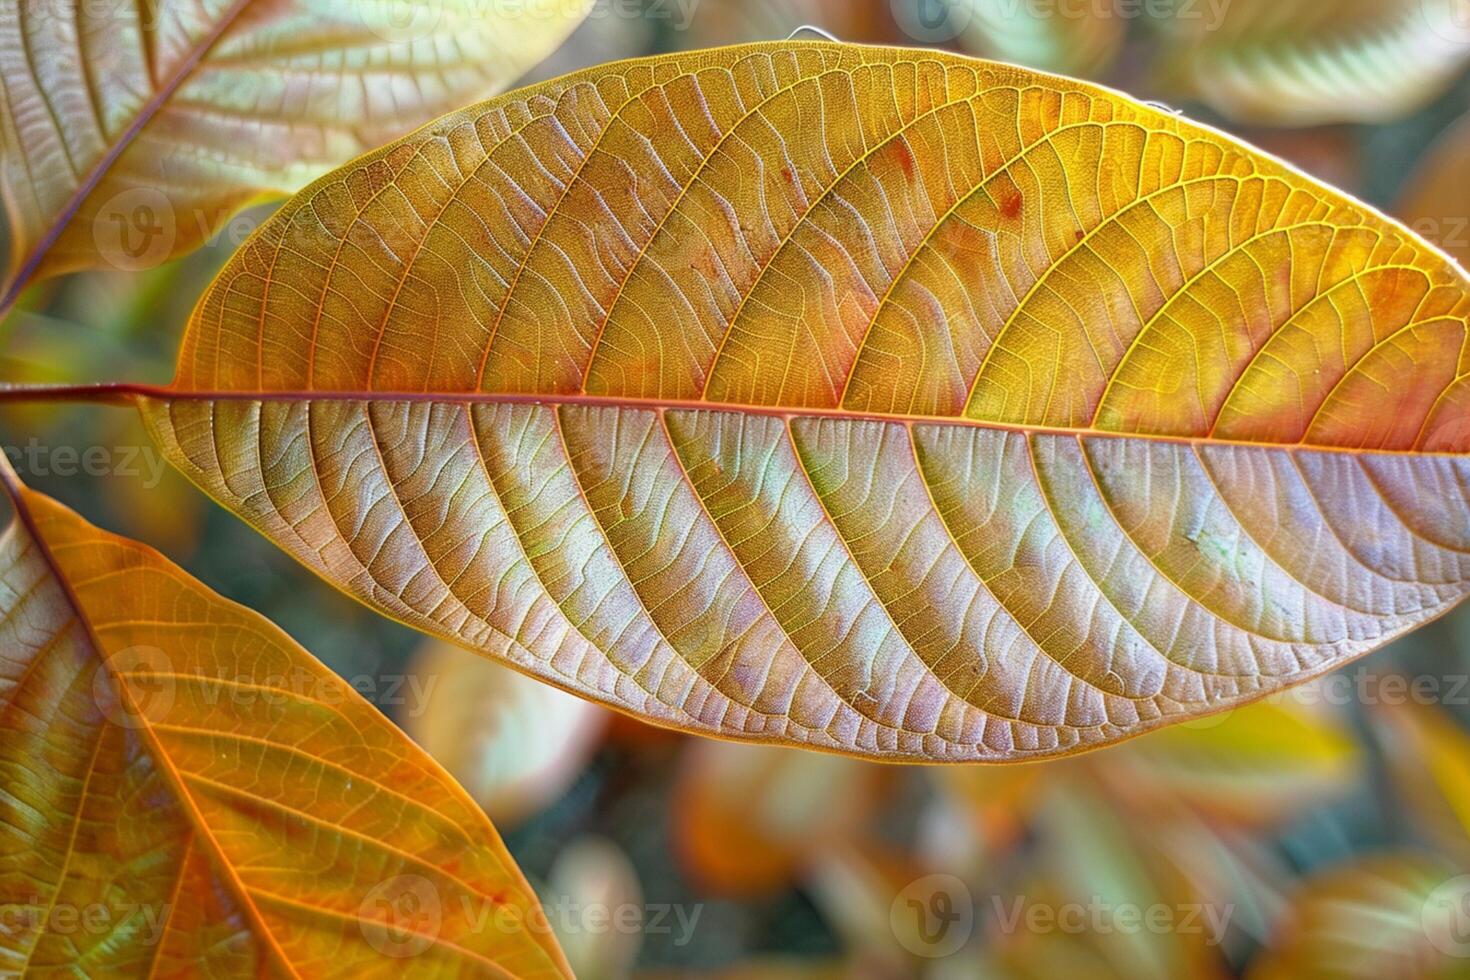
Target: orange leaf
[
  {"x": 884, "y": 401},
  {"x": 189, "y": 793}
]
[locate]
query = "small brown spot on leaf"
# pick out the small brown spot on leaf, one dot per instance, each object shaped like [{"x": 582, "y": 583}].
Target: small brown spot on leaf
[{"x": 905, "y": 158}]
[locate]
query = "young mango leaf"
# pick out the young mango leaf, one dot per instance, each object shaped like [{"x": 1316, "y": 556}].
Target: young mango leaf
[
  {"x": 1301, "y": 62},
  {"x": 189, "y": 793},
  {"x": 132, "y": 132},
  {"x": 890, "y": 402}
]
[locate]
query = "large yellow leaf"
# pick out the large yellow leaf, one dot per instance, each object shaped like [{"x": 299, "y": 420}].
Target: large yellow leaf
[
  {"x": 882, "y": 401},
  {"x": 131, "y": 132},
  {"x": 188, "y": 793}
]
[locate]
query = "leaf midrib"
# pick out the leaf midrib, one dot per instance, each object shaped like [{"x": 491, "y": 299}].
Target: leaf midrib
[{"x": 139, "y": 393}]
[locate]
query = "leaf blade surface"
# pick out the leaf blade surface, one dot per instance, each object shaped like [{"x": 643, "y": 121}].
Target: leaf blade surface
[
  {"x": 881, "y": 401},
  {"x": 230, "y": 805}
]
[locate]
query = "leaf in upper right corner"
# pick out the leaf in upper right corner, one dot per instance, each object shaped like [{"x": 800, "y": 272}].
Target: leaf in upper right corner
[{"x": 1304, "y": 62}]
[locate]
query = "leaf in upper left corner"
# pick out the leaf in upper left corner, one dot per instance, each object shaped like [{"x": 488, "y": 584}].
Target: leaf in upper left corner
[
  {"x": 213, "y": 800},
  {"x": 134, "y": 131},
  {"x": 1437, "y": 202}
]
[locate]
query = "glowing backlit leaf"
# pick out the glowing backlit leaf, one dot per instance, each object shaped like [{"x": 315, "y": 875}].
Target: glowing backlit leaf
[
  {"x": 209, "y": 800},
  {"x": 131, "y": 132},
  {"x": 884, "y": 401}
]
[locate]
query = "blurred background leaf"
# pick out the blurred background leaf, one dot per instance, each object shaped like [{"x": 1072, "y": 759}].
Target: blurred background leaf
[
  {"x": 1041, "y": 34},
  {"x": 1304, "y": 62}
]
